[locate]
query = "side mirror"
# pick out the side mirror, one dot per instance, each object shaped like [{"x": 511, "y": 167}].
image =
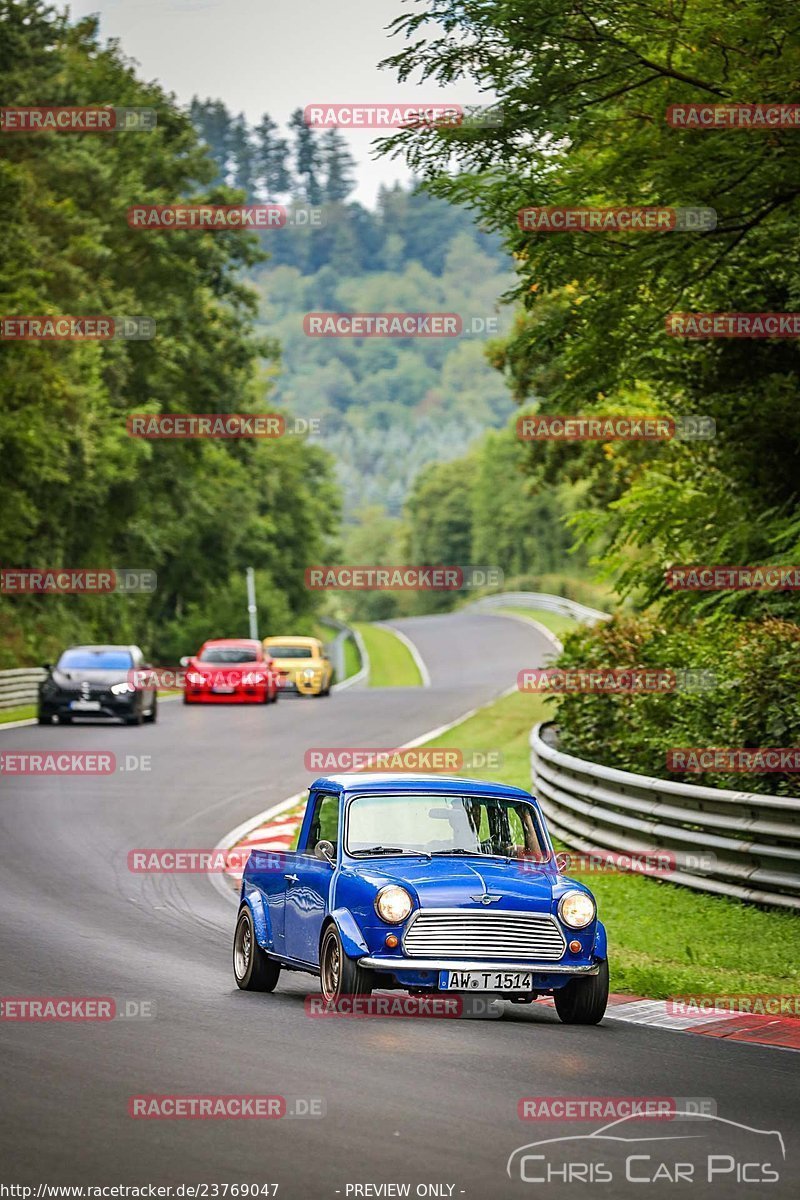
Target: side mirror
[
  {"x": 563, "y": 863},
  {"x": 325, "y": 851},
  {"x": 184, "y": 661}
]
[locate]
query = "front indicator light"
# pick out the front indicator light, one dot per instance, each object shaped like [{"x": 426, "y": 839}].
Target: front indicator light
[
  {"x": 575, "y": 947},
  {"x": 576, "y": 909},
  {"x": 393, "y": 904},
  {"x": 391, "y": 941}
]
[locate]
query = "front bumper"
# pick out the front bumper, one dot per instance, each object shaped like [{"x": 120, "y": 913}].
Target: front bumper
[
  {"x": 302, "y": 687},
  {"x": 110, "y": 706},
  {"x": 404, "y": 965}
]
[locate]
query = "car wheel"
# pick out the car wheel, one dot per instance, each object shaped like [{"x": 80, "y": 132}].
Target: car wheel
[
  {"x": 583, "y": 1001},
  {"x": 136, "y": 718},
  {"x": 44, "y": 718},
  {"x": 252, "y": 970},
  {"x": 64, "y": 719},
  {"x": 339, "y": 975},
  {"x": 152, "y": 716}
]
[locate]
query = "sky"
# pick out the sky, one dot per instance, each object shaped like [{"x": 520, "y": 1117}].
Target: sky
[{"x": 264, "y": 56}]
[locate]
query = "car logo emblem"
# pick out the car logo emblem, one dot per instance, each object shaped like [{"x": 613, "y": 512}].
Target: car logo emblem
[{"x": 486, "y": 898}]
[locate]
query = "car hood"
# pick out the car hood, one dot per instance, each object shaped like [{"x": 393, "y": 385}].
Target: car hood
[
  {"x": 209, "y": 668},
  {"x": 73, "y": 677},
  {"x": 460, "y": 882}
]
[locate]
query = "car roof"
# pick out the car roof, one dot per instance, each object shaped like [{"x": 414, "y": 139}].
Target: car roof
[
  {"x": 288, "y": 637},
  {"x": 231, "y": 642},
  {"x": 110, "y": 646},
  {"x": 355, "y": 782}
]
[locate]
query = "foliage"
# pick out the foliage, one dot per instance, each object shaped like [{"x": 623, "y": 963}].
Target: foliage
[
  {"x": 77, "y": 490},
  {"x": 583, "y": 91},
  {"x": 754, "y": 704}
]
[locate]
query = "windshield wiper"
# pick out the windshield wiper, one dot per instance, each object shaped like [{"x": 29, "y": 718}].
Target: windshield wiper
[
  {"x": 392, "y": 850},
  {"x": 459, "y": 850}
]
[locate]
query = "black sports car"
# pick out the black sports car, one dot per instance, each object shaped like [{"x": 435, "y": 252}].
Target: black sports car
[{"x": 96, "y": 681}]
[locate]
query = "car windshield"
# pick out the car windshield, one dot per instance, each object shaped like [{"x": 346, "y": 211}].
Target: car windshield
[
  {"x": 291, "y": 651},
  {"x": 445, "y": 824},
  {"x": 229, "y": 654},
  {"x": 95, "y": 660}
]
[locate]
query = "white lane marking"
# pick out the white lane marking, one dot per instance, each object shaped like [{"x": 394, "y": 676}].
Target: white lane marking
[{"x": 412, "y": 649}]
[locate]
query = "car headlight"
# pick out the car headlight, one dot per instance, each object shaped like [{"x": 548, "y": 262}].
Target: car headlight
[
  {"x": 308, "y": 673},
  {"x": 194, "y": 678},
  {"x": 120, "y": 689},
  {"x": 576, "y": 909},
  {"x": 393, "y": 904}
]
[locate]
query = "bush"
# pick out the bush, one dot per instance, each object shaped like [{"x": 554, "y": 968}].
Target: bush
[{"x": 755, "y": 702}]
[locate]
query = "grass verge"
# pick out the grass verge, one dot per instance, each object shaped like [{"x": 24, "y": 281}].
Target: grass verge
[
  {"x": 555, "y": 622},
  {"x": 352, "y": 659},
  {"x": 664, "y": 940},
  {"x": 390, "y": 661},
  {"x": 25, "y": 713}
]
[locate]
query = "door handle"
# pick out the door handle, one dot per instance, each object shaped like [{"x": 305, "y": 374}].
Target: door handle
[{"x": 292, "y": 878}]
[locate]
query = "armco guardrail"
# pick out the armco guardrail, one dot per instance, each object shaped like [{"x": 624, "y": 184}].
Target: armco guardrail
[
  {"x": 336, "y": 654},
  {"x": 738, "y": 844},
  {"x": 545, "y": 602},
  {"x": 20, "y": 686}
]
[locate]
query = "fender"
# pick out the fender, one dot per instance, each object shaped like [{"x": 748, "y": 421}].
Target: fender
[
  {"x": 253, "y": 899},
  {"x": 600, "y": 949},
  {"x": 353, "y": 942}
]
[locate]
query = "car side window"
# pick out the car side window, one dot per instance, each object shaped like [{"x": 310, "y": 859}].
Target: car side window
[{"x": 324, "y": 821}]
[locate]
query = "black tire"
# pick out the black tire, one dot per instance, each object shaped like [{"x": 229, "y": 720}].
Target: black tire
[
  {"x": 44, "y": 718},
  {"x": 252, "y": 969},
  {"x": 64, "y": 719},
  {"x": 186, "y": 699},
  {"x": 152, "y": 716},
  {"x": 136, "y": 718},
  {"x": 339, "y": 975},
  {"x": 583, "y": 1001}
]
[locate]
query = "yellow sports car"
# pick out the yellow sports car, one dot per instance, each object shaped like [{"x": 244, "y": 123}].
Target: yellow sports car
[{"x": 302, "y": 665}]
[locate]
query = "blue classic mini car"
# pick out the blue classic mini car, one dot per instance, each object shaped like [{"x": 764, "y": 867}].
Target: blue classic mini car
[{"x": 427, "y": 884}]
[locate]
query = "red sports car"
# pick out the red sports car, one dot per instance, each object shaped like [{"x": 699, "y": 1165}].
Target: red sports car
[{"x": 230, "y": 671}]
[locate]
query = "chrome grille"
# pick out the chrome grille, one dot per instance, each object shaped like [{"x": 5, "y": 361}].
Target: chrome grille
[{"x": 465, "y": 933}]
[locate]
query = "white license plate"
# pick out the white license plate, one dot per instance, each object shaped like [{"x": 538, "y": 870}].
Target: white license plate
[
  {"x": 223, "y": 691},
  {"x": 485, "y": 981},
  {"x": 85, "y": 705}
]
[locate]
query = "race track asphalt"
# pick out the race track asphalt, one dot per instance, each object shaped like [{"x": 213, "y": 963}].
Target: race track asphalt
[{"x": 423, "y": 1102}]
